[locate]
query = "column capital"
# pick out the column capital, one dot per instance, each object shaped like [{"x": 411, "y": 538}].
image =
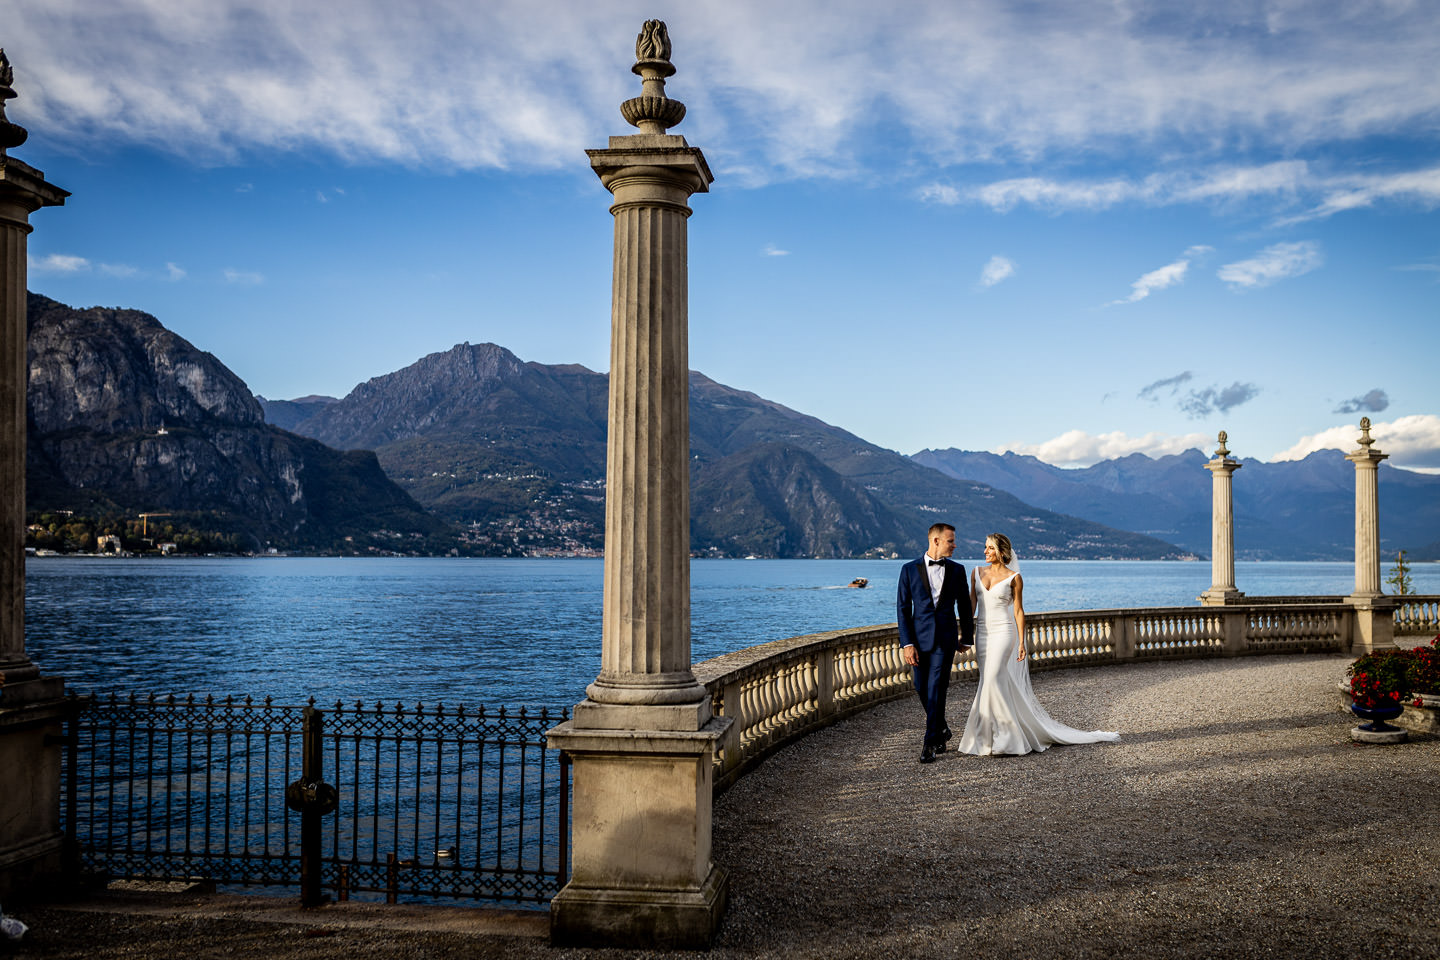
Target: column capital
[
  {"x": 1222, "y": 460},
  {"x": 22, "y": 183},
  {"x": 1366, "y": 455},
  {"x": 665, "y": 157}
]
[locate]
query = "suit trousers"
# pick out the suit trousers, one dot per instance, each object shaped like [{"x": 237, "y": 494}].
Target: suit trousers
[{"x": 932, "y": 682}]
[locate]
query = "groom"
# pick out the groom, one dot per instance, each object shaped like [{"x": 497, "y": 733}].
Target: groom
[{"x": 935, "y": 612}]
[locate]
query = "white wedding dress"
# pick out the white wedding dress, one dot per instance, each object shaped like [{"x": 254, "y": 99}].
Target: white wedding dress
[{"x": 1006, "y": 717}]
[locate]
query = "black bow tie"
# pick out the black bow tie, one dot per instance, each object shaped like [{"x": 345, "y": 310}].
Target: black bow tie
[{"x": 935, "y": 563}]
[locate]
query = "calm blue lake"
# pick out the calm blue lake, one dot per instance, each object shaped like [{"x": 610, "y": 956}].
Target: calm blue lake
[{"x": 491, "y": 631}]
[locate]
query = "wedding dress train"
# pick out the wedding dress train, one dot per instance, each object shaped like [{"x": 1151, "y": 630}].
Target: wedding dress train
[{"x": 1006, "y": 717}]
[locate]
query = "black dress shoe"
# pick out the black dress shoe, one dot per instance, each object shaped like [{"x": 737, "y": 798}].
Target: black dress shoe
[
  {"x": 927, "y": 755},
  {"x": 945, "y": 735},
  {"x": 940, "y": 747}
]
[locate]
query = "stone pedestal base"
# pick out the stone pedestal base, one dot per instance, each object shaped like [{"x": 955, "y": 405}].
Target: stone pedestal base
[
  {"x": 30, "y": 837},
  {"x": 1218, "y": 597},
  {"x": 1374, "y": 624},
  {"x": 659, "y": 919},
  {"x": 1361, "y": 735},
  {"x": 641, "y": 874}
]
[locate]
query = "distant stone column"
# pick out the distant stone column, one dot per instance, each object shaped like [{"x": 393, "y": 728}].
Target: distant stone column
[
  {"x": 1222, "y": 529},
  {"x": 643, "y": 742},
  {"x": 1367, "y": 513},
  {"x": 31, "y": 710},
  {"x": 1374, "y": 625}
]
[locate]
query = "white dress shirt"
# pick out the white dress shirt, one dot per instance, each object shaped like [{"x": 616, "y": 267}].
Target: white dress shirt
[{"x": 936, "y": 574}]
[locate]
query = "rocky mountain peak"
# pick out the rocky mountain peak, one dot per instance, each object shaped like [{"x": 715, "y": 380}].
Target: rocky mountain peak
[{"x": 119, "y": 371}]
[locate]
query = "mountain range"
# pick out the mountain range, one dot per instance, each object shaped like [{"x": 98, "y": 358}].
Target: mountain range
[
  {"x": 1286, "y": 510},
  {"x": 514, "y": 453},
  {"x": 473, "y": 449}
]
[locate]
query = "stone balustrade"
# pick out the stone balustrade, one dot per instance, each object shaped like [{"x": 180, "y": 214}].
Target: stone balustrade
[
  {"x": 780, "y": 691},
  {"x": 1417, "y": 616}
]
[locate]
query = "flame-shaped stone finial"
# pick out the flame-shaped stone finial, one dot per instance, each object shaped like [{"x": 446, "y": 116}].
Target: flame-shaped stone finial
[
  {"x": 11, "y": 134},
  {"x": 652, "y": 111}
]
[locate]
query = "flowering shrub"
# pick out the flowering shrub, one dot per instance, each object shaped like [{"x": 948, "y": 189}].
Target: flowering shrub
[
  {"x": 1425, "y": 668},
  {"x": 1393, "y": 677}
]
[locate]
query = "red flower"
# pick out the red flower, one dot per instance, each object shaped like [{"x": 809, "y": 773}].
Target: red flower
[{"x": 1418, "y": 702}]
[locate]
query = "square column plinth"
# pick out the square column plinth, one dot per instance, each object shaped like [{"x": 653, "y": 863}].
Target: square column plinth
[
  {"x": 30, "y": 835},
  {"x": 1374, "y": 624},
  {"x": 641, "y": 874}
]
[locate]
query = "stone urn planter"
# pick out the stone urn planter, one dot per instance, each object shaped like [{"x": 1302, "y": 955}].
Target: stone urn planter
[
  {"x": 1376, "y": 729},
  {"x": 1409, "y": 717}
]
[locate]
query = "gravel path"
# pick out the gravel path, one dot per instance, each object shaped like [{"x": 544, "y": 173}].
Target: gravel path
[{"x": 1235, "y": 818}]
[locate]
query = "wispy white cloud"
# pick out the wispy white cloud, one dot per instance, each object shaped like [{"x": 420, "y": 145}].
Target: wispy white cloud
[
  {"x": 1152, "y": 391},
  {"x": 1284, "y": 184},
  {"x": 58, "y": 263},
  {"x": 997, "y": 268},
  {"x": 1373, "y": 402},
  {"x": 242, "y": 277},
  {"x": 1429, "y": 266},
  {"x": 1279, "y": 261},
  {"x": 174, "y": 272},
  {"x": 775, "y": 91},
  {"x": 1162, "y": 277},
  {"x": 1076, "y": 448},
  {"x": 1411, "y": 441},
  {"x": 770, "y": 250},
  {"x": 119, "y": 270},
  {"x": 1418, "y": 187},
  {"x": 1202, "y": 402},
  {"x": 1199, "y": 404}
]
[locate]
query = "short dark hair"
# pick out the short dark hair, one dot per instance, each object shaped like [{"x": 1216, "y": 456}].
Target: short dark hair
[{"x": 940, "y": 528}]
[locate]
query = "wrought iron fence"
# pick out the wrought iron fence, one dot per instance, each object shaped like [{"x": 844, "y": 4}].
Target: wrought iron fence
[{"x": 427, "y": 803}]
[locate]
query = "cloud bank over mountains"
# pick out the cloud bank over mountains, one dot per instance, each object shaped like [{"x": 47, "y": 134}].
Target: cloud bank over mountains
[{"x": 1412, "y": 442}]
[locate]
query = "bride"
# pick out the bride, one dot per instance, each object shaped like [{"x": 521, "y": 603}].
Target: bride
[{"x": 1006, "y": 717}]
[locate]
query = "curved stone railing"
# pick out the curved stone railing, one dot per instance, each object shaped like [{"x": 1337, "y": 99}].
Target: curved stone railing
[
  {"x": 1417, "y": 616},
  {"x": 778, "y": 692}
]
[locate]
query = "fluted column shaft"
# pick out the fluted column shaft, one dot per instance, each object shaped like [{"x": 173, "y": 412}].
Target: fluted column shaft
[
  {"x": 1222, "y": 536},
  {"x": 645, "y": 644},
  {"x": 23, "y": 190},
  {"x": 1367, "y": 522},
  {"x": 647, "y": 533}
]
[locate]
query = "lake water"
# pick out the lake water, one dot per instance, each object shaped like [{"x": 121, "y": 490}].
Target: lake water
[{"x": 491, "y": 631}]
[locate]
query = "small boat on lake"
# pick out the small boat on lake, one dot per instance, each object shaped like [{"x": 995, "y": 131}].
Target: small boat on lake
[{"x": 859, "y": 583}]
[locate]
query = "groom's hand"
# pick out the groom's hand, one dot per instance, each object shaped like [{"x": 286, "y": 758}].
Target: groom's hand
[{"x": 910, "y": 655}]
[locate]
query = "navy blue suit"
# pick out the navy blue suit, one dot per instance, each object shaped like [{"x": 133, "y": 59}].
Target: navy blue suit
[{"x": 937, "y": 631}]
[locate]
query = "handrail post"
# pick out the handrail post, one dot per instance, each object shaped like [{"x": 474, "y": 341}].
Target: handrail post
[
  {"x": 313, "y": 798},
  {"x": 730, "y": 739},
  {"x": 1233, "y": 629},
  {"x": 1122, "y": 641},
  {"x": 825, "y": 681}
]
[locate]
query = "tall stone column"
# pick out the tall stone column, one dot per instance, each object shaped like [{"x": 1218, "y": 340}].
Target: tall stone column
[
  {"x": 1374, "y": 612},
  {"x": 31, "y": 708},
  {"x": 643, "y": 742},
  {"x": 1222, "y": 529}
]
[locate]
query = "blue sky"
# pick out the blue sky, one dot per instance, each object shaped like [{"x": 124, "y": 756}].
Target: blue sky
[{"x": 1076, "y": 230}]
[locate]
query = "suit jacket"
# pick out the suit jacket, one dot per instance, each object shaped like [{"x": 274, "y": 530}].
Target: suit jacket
[{"x": 928, "y": 624}]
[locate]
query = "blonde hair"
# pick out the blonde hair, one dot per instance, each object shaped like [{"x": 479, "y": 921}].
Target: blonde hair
[{"x": 1003, "y": 547}]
